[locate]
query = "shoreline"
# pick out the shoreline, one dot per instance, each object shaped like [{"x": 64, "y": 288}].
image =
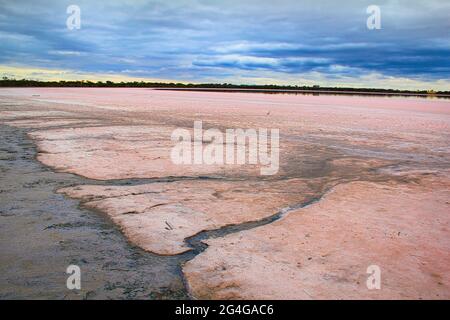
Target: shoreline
[
  {"x": 111, "y": 266},
  {"x": 195, "y": 242}
]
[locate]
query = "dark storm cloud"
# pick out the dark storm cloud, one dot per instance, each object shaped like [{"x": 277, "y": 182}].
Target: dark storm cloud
[{"x": 197, "y": 40}]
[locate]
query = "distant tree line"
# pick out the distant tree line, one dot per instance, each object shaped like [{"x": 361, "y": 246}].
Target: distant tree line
[{"x": 6, "y": 82}]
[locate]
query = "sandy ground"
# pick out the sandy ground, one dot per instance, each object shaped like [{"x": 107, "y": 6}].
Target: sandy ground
[{"x": 373, "y": 169}]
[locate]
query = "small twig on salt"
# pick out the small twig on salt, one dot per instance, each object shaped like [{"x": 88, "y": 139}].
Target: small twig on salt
[{"x": 170, "y": 227}]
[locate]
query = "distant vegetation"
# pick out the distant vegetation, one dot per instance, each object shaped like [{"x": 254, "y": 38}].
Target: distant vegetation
[{"x": 6, "y": 82}]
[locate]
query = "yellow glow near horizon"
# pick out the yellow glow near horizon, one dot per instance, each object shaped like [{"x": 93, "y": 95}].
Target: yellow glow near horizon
[{"x": 42, "y": 74}]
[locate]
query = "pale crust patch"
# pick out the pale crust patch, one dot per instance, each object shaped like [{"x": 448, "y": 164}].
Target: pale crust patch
[
  {"x": 323, "y": 251},
  {"x": 159, "y": 216}
]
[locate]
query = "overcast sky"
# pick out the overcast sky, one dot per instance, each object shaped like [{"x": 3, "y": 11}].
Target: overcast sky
[{"x": 285, "y": 42}]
